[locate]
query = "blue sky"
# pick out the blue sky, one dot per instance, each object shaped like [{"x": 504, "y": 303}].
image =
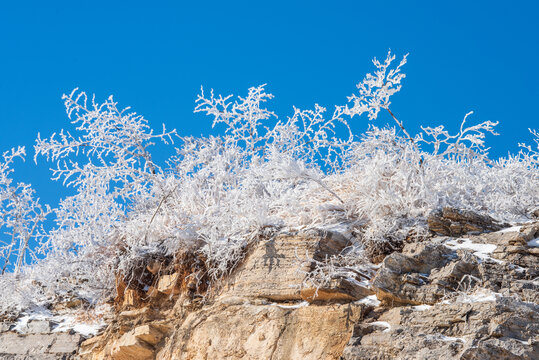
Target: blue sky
[{"x": 464, "y": 56}]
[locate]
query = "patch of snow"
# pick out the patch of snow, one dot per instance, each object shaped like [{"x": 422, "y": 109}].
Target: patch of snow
[
  {"x": 511, "y": 229},
  {"x": 481, "y": 251},
  {"x": 451, "y": 339},
  {"x": 66, "y": 323},
  {"x": 22, "y": 323},
  {"x": 486, "y": 257},
  {"x": 38, "y": 314},
  {"x": 517, "y": 268},
  {"x": 523, "y": 342},
  {"x": 370, "y": 300},
  {"x": 442, "y": 337},
  {"x": 295, "y": 306},
  {"x": 479, "y": 296},
  {"x": 466, "y": 243},
  {"x": 88, "y": 329},
  {"x": 363, "y": 283},
  {"x": 382, "y": 323},
  {"x": 342, "y": 228},
  {"x": 533, "y": 242},
  {"x": 421, "y": 307}
]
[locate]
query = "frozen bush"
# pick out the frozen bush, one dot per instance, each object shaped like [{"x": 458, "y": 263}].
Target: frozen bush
[{"x": 217, "y": 194}]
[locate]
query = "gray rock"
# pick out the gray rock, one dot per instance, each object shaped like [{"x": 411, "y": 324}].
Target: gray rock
[
  {"x": 426, "y": 272},
  {"x": 13, "y": 343},
  {"x": 453, "y": 222},
  {"x": 423, "y": 273},
  {"x": 6, "y": 326},
  {"x": 65, "y": 343},
  {"x": 38, "y": 326},
  {"x": 501, "y": 329},
  {"x": 38, "y": 346}
]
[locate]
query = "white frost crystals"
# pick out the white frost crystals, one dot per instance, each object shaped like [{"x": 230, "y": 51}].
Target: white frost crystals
[
  {"x": 262, "y": 175},
  {"x": 21, "y": 217}
]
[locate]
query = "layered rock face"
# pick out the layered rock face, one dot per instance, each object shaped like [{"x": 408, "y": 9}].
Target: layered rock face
[
  {"x": 261, "y": 312},
  {"x": 452, "y": 296},
  {"x": 36, "y": 340},
  {"x": 497, "y": 328}
]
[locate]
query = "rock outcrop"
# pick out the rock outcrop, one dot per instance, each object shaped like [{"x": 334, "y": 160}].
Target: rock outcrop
[
  {"x": 472, "y": 297},
  {"x": 481, "y": 327},
  {"x": 264, "y": 331},
  {"x": 447, "y": 297},
  {"x": 261, "y": 311},
  {"x": 475, "y": 298}
]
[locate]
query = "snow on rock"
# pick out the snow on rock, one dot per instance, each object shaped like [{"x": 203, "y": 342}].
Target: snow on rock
[
  {"x": 533, "y": 242},
  {"x": 24, "y": 323},
  {"x": 482, "y": 251},
  {"x": 511, "y": 229},
  {"x": 86, "y": 329},
  {"x": 370, "y": 300},
  {"x": 446, "y": 338},
  {"x": 382, "y": 323},
  {"x": 43, "y": 321},
  {"x": 465, "y": 243},
  {"x": 295, "y": 306},
  {"x": 481, "y": 295}
]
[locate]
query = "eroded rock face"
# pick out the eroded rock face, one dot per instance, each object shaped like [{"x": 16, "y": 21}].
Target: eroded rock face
[
  {"x": 247, "y": 331},
  {"x": 262, "y": 312},
  {"x": 473, "y": 297},
  {"x": 423, "y": 273},
  {"x": 426, "y": 272},
  {"x": 497, "y": 328},
  {"x": 513, "y": 246},
  {"x": 273, "y": 269}
]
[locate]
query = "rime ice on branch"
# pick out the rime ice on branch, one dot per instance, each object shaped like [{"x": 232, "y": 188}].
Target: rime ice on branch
[{"x": 262, "y": 175}]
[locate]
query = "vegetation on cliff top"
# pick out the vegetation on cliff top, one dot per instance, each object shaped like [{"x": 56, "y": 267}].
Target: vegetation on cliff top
[{"x": 219, "y": 193}]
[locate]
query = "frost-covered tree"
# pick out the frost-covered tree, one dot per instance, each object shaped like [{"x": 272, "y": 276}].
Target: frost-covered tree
[
  {"x": 108, "y": 163},
  {"x": 21, "y": 216}
]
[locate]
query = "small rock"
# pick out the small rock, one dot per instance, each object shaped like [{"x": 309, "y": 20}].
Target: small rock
[
  {"x": 168, "y": 284},
  {"x": 37, "y": 327}
]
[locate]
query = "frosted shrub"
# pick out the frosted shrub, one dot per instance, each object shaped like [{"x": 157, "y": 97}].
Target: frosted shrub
[
  {"x": 21, "y": 217},
  {"x": 218, "y": 194}
]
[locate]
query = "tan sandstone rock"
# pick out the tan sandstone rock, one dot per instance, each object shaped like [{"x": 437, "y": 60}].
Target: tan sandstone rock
[
  {"x": 264, "y": 332},
  {"x": 131, "y": 347},
  {"x": 275, "y": 269},
  {"x": 168, "y": 284}
]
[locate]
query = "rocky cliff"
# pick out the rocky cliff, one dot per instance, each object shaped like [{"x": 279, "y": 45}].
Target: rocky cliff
[{"x": 469, "y": 291}]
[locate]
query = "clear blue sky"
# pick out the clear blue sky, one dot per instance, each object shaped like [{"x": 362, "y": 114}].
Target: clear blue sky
[{"x": 464, "y": 55}]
